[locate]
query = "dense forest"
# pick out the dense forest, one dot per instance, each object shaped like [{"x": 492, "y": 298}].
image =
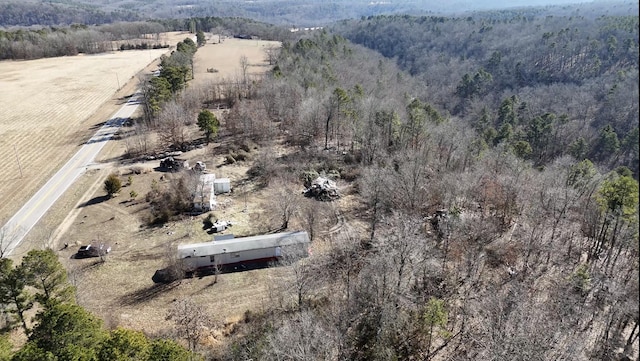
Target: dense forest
[
  {"x": 301, "y": 13},
  {"x": 492, "y": 165},
  {"x": 546, "y": 85},
  {"x": 56, "y": 13}
]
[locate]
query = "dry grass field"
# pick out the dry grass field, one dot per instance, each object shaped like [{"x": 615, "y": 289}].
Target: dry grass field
[
  {"x": 224, "y": 56},
  {"x": 48, "y": 107},
  {"x": 120, "y": 290}
]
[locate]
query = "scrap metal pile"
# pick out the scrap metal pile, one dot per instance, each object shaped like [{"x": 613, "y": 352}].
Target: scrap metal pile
[{"x": 322, "y": 189}]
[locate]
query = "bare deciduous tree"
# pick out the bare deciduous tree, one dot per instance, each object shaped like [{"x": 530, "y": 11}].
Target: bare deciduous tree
[
  {"x": 138, "y": 141},
  {"x": 286, "y": 202},
  {"x": 191, "y": 321},
  {"x": 304, "y": 336},
  {"x": 312, "y": 215},
  {"x": 375, "y": 192},
  {"x": 172, "y": 129},
  {"x": 271, "y": 53}
]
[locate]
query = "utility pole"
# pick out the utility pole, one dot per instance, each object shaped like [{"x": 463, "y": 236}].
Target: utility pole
[{"x": 118, "y": 79}]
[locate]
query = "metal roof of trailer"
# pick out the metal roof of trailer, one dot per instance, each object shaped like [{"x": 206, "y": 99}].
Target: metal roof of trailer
[{"x": 242, "y": 244}]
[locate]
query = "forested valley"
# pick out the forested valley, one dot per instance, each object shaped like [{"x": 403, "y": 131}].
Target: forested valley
[
  {"x": 297, "y": 13},
  {"x": 492, "y": 165},
  {"x": 496, "y": 171},
  {"x": 547, "y": 85}
]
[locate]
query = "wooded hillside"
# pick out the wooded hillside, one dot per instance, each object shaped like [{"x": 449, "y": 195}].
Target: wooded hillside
[
  {"x": 56, "y": 13},
  {"x": 459, "y": 246},
  {"x": 547, "y": 85}
]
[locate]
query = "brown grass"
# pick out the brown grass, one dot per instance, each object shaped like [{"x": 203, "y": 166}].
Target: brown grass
[
  {"x": 50, "y": 106},
  {"x": 225, "y": 58}
]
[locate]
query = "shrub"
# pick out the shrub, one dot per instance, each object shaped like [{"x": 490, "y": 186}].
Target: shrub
[
  {"x": 581, "y": 279},
  {"x": 247, "y": 145},
  {"x": 169, "y": 201},
  {"x": 334, "y": 174},
  {"x": 350, "y": 174},
  {"x": 137, "y": 170},
  {"x": 242, "y": 156},
  {"x": 112, "y": 185},
  {"x": 207, "y": 222}
]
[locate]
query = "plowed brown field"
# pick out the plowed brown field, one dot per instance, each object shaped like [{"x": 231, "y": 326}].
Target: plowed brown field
[{"x": 48, "y": 107}]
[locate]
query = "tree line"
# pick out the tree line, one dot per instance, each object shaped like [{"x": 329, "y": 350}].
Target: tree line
[
  {"x": 27, "y": 43},
  {"x": 52, "y": 41},
  {"x": 228, "y": 26},
  {"x": 39, "y": 13}
]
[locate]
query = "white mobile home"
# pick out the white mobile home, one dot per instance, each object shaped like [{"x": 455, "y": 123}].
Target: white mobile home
[{"x": 242, "y": 251}]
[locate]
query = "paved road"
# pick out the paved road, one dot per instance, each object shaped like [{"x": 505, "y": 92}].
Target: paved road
[{"x": 12, "y": 233}]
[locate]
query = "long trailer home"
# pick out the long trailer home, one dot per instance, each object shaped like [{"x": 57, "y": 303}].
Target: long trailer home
[{"x": 244, "y": 251}]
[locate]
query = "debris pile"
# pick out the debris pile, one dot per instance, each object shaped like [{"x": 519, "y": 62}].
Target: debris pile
[
  {"x": 173, "y": 164},
  {"x": 219, "y": 226},
  {"x": 322, "y": 189},
  {"x": 200, "y": 167},
  {"x": 93, "y": 250},
  {"x": 440, "y": 223}
]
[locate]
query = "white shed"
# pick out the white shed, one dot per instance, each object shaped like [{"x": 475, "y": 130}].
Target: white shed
[{"x": 222, "y": 185}]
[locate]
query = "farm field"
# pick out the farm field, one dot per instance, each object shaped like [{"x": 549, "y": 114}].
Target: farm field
[
  {"x": 225, "y": 58},
  {"x": 50, "y": 106}
]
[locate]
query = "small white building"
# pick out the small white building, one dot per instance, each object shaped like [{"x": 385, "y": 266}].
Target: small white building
[
  {"x": 204, "y": 198},
  {"x": 222, "y": 185},
  {"x": 243, "y": 251}
]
